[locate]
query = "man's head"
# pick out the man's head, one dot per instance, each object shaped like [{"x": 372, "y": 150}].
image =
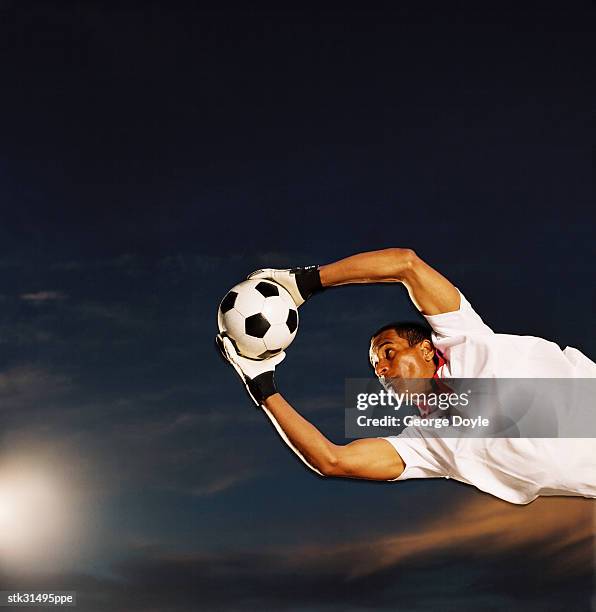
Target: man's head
[{"x": 403, "y": 350}]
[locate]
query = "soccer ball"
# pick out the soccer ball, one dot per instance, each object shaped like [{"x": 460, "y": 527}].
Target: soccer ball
[{"x": 260, "y": 317}]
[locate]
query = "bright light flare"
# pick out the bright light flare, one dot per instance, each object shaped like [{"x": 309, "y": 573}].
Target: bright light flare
[
  {"x": 33, "y": 508},
  {"x": 42, "y": 512}
]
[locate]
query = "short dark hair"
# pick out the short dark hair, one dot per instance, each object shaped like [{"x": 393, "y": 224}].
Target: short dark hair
[{"x": 410, "y": 331}]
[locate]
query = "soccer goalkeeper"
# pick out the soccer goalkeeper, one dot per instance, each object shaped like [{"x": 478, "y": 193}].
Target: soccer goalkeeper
[{"x": 460, "y": 345}]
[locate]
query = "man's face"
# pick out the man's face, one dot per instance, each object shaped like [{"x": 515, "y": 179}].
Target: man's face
[{"x": 393, "y": 358}]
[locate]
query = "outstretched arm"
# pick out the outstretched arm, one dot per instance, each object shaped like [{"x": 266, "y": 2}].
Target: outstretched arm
[
  {"x": 372, "y": 459},
  {"x": 430, "y": 291}
]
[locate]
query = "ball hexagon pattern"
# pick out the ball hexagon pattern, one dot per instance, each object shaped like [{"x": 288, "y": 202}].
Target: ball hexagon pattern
[{"x": 259, "y": 316}]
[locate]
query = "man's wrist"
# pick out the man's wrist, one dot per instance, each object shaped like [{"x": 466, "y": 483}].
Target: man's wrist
[
  {"x": 262, "y": 386},
  {"x": 308, "y": 281}
]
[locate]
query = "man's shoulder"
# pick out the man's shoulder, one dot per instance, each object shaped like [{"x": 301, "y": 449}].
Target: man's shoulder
[{"x": 459, "y": 322}]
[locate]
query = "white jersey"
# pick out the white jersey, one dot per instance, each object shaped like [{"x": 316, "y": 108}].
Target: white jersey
[{"x": 517, "y": 470}]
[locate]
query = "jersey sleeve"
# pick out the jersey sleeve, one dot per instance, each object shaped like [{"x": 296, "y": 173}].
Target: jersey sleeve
[
  {"x": 461, "y": 322},
  {"x": 424, "y": 457}
]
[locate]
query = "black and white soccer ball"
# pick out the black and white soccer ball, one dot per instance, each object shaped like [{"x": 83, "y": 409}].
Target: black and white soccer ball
[{"x": 260, "y": 317}]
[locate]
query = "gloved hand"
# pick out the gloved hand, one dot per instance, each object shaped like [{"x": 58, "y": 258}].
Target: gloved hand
[
  {"x": 257, "y": 375},
  {"x": 300, "y": 282}
]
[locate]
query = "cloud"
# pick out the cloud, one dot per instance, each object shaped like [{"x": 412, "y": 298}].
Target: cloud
[
  {"x": 43, "y": 296},
  {"x": 26, "y": 385},
  {"x": 556, "y": 527},
  {"x": 220, "y": 483},
  {"x": 475, "y": 539},
  {"x": 126, "y": 261},
  {"x": 481, "y": 554},
  {"x": 181, "y": 453},
  {"x": 120, "y": 314},
  {"x": 168, "y": 439}
]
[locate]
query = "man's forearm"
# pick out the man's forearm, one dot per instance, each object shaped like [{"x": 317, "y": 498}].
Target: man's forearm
[
  {"x": 372, "y": 459},
  {"x": 303, "y": 437},
  {"x": 430, "y": 291},
  {"x": 385, "y": 266}
]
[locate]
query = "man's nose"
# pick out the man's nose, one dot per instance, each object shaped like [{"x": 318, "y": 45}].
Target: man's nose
[{"x": 382, "y": 369}]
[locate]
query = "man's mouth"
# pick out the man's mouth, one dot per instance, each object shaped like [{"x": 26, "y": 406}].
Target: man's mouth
[{"x": 387, "y": 382}]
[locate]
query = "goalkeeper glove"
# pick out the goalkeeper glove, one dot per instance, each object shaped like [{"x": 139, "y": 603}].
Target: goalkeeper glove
[
  {"x": 301, "y": 283},
  {"x": 257, "y": 375}
]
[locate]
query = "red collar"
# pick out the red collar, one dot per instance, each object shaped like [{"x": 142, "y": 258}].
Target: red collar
[
  {"x": 440, "y": 364},
  {"x": 441, "y": 387}
]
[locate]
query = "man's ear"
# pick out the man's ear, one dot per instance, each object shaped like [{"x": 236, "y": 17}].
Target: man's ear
[{"x": 427, "y": 349}]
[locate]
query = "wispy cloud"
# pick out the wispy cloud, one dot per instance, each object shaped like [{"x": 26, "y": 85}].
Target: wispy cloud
[
  {"x": 480, "y": 525},
  {"x": 117, "y": 313},
  {"x": 43, "y": 296},
  {"x": 161, "y": 439},
  {"x": 25, "y": 385},
  {"x": 462, "y": 561},
  {"x": 126, "y": 261},
  {"x": 221, "y": 483},
  {"x": 186, "y": 456}
]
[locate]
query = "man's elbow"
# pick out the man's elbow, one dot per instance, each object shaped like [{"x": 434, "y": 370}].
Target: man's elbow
[
  {"x": 337, "y": 466},
  {"x": 329, "y": 465},
  {"x": 402, "y": 261}
]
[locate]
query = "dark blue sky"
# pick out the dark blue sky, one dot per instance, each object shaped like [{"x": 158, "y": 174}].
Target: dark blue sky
[{"x": 152, "y": 154}]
